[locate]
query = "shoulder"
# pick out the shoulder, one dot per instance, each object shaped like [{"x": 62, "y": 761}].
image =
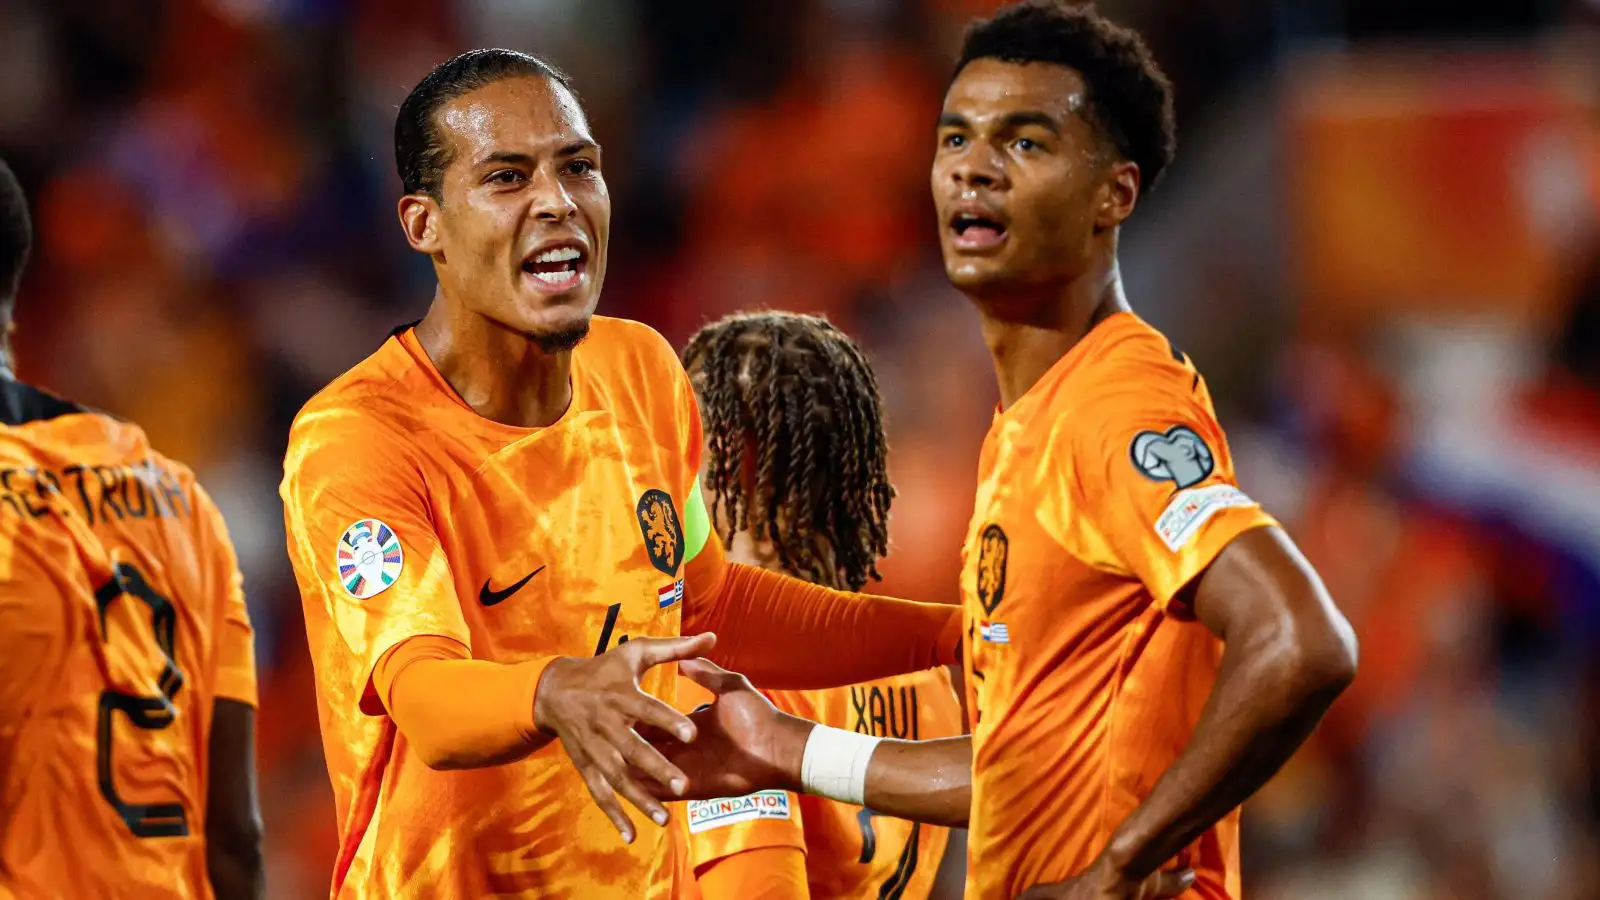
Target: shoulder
[
  {"x": 639, "y": 375},
  {"x": 369, "y": 405},
  {"x": 1130, "y": 360},
  {"x": 627, "y": 346},
  {"x": 1130, "y": 373}
]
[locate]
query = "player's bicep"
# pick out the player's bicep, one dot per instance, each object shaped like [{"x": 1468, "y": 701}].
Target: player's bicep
[
  {"x": 1155, "y": 482},
  {"x": 231, "y": 799},
  {"x": 1262, "y": 588},
  {"x": 233, "y": 809}
]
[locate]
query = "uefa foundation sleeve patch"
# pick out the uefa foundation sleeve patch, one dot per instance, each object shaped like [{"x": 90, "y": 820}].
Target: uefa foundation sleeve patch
[
  {"x": 1189, "y": 510},
  {"x": 705, "y": 815},
  {"x": 369, "y": 558}
]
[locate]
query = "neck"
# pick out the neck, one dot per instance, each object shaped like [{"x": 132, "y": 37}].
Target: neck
[
  {"x": 500, "y": 373},
  {"x": 747, "y": 549},
  {"x": 1027, "y": 339}
]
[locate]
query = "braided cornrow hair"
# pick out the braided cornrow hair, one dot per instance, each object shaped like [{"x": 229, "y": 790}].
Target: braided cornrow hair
[{"x": 799, "y": 396}]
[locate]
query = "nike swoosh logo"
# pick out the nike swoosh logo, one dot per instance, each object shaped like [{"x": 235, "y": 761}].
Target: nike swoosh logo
[{"x": 489, "y": 597}]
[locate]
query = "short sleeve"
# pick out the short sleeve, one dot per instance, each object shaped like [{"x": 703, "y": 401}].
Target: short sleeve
[
  {"x": 33, "y": 621},
  {"x": 365, "y": 550},
  {"x": 1154, "y": 480},
  {"x": 721, "y": 828},
  {"x": 235, "y": 675}
]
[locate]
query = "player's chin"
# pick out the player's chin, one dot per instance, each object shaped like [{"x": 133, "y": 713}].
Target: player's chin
[
  {"x": 558, "y": 321},
  {"x": 977, "y": 274},
  {"x": 558, "y": 330}
]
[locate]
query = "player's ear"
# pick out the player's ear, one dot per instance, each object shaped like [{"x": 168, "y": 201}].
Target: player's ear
[
  {"x": 419, "y": 219},
  {"x": 1119, "y": 192}
]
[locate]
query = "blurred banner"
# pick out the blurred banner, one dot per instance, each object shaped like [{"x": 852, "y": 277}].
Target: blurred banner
[{"x": 1429, "y": 182}]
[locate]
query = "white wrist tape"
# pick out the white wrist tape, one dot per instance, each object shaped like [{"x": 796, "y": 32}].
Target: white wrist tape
[{"x": 835, "y": 764}]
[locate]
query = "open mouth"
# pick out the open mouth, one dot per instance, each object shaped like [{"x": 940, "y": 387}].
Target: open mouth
[
  {"x": 557, "y": 268},
  {"x": 975, "y": 232}
]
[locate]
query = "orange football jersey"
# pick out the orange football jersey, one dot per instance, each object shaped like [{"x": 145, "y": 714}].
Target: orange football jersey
[
  {"x": 1103, "y": 491},
  {"x": 409, "y": 514},
  {"x": 121, "y": 621},
  {"x": 850, "y": 852}
]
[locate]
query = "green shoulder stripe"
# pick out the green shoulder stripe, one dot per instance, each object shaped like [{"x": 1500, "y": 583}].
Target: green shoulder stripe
[{"x": 696, "y": 523}]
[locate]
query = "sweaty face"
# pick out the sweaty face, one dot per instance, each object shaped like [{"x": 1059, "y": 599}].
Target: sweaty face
[
  {"x": 526, "y": 214},
  {"x": 1015, "y": 176}
]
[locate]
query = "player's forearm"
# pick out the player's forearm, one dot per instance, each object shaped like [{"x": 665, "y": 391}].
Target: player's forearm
[
  {"x": 784, "y": 633},
  {"x": 1271, "y": 691},
  {"x": 924, "y": 781},
  {"x": 467, "y": 713}
]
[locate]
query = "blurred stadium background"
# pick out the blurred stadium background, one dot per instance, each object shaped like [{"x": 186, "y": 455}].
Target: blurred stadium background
[{"x": 1380, "y": 242}]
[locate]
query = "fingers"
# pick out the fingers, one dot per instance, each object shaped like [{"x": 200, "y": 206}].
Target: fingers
[
  {"x": 655, "y": 651},
  {"x": 711, "y": 676},
  {"x": 601, "y": 791},
  {"x": 607, "y": 756},
  {"x": 649, "y": 711},
  {"x": 641, "y": 757},
  {"x": 642, "y": 799},
  {"x": 1169, "y": 884},
  {"x": 650, "y": 785}
]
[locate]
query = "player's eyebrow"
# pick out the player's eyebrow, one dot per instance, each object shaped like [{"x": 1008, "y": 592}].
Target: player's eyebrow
[
  {"x": 507, "y": 157},
  {"x": 518, "y": 158},
  {"x": 576, "y": 147},
  {"x": 1008, "y": 122},
  {"x": 1016, "y": 120}
]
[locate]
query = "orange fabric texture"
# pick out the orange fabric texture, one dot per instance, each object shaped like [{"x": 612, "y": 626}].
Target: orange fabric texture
[
  {"x": 786, "y": 633},
  {"x": 122, "y": 620},
  {"x": 850, "y": 853},
  {"x": 772, "y": 873},
  {"x": 520, "y": 544},
  {"x": 1103, "y": 492},
  {"x": 436, "y": 693}
]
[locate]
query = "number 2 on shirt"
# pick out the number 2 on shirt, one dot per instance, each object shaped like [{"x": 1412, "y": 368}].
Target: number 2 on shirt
[{"x": 145, "y": 820}]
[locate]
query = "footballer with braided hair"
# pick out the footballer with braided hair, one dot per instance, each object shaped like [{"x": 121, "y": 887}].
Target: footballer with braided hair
[
  {"x": 795, "y": 474},
  {"x": 791, "y": 399}
]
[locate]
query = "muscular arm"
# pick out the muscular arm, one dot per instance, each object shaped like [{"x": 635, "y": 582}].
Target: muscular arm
[
  {"x": 1288, "y": 654},
  {"x": 234, "y": 859},
  {"x": 924, "y": 781}
]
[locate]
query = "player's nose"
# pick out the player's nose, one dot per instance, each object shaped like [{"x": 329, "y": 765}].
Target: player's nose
[
  {"x": 980, "y": 166},
  {"x": 551, "y": 202}
]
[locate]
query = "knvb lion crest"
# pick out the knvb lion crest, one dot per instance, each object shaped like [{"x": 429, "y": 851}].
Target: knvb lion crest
[
  {"x": 993, "y": 549},
  {"x": 663, "y": 534}
]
